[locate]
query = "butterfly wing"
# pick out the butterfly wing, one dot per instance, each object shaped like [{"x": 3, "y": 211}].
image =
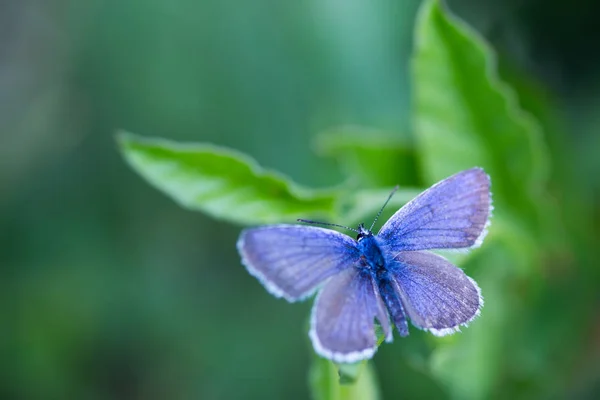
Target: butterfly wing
[
  {"x": 451, "y": 214},
  {"x": 292, "y": 260},
  {"x": 342, "y": 323},
  {"x": 436, "y": 295}
]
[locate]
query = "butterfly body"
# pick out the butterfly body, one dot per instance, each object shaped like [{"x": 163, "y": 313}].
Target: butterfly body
[
  {"x": 386, "y": 277},
  {"x": 375, "y": 260}
]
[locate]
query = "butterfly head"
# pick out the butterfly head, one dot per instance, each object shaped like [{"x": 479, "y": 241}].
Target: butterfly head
[{"x": 363, "y": 232}]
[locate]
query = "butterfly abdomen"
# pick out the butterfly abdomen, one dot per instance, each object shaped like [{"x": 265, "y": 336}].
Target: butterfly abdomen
[{"x": 393, "y": 304}]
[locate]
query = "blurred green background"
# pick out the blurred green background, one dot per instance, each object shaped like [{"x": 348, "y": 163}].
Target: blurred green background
[{"x": 111, "y": 291}]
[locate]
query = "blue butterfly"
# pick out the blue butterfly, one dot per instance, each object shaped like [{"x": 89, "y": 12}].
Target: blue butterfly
[{"x": 382, "y": 276}]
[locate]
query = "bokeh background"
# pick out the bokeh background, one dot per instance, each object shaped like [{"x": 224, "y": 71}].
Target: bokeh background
[{"x": 109, "y": 290}]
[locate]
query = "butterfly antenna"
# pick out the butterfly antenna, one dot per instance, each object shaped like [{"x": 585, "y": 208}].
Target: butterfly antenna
[
  {"x": 384, "y": 204},
  {"x": 306, "y": 221}
]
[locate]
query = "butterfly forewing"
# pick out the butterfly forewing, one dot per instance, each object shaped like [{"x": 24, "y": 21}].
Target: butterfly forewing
[
  {"x": 437, "y": 296},
  {"x": 451, "y": 214},
  {"x": 342, "y": 323},
  {"x": 292, "y": 260}
]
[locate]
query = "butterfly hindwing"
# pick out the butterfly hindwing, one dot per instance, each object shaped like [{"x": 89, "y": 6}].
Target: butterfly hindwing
[
  {"x": 342, "y": 323},
  {"x": 437, "y": 296},
  {"x": 292, "y": 260},
  {"x": 452, "y": 214}
]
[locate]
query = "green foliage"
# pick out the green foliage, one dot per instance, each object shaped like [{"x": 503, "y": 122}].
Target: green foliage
[
  {"x": 111, "y": 291},
  {"x": 463, "y": 115}
]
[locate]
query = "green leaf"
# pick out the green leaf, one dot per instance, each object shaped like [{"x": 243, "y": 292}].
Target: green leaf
[
  {"x": 328, "y": 381},
  {"x": 464, "y": 116},
  {"x": 222, "y": 182},
  {"x": 370, "y": 157}
]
